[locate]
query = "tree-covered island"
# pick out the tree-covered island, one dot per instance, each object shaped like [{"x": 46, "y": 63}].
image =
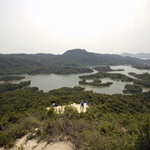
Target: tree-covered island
[
  {"x": 132, "y": 88},
  {"x": 142, "y": 79},
  {"x": 142, "y": 66},
  {"x": 113, "y": 76},
  {"x": 95, "y": 82},
  {"x": 106, "y": 69}
]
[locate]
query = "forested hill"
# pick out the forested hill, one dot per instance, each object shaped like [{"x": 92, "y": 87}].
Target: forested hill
[
  {"x": 72, "y": 61},
  {"x": 89, "y": 58}
]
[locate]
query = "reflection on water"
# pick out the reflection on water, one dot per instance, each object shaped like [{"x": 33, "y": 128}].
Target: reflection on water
[{"x": 53, "y": 81}]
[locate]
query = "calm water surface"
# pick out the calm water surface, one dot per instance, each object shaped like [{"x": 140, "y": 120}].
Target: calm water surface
[{"x": 53, "y": 81}]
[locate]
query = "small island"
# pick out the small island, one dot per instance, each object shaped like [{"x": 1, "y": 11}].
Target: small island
[
  {"x": 132, "y": 88},
  {"x": 142, "y": 67},
  {"x": 106, "y": 69},
  {"x": 113, "y": 76},
  {"x": 143, "y": 76},
  {"x": 95, "y": 82}
]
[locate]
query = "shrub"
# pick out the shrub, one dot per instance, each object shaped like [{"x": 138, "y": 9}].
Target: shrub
[
  {"x": 71, "y": 113},
  {"x": 143, "y": 140}
]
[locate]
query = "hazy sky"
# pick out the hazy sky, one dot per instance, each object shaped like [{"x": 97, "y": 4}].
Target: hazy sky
[{"x": 54, "y": 26}]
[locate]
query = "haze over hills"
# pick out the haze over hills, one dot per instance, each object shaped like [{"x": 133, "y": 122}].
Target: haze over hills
[
  {"x": 72, "y": 61},
  {"x": 138, "y": 55}
]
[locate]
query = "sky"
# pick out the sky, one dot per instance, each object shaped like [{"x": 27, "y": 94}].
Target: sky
[{"x": 55, "y": 26}]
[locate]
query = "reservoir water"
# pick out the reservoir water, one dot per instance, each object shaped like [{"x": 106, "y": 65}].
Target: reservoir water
[{"x": 47, "y": 82}]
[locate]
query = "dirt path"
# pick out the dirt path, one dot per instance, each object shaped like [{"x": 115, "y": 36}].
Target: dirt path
[
  {"x": 55, "y": 146},
  {"x": 60, "y": 109},
  {"x": 34, "y": 145}
]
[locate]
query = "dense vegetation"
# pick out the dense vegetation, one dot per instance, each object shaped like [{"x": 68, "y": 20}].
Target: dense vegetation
[
  {"x": 132, "y": 88},
  {"x": 68, "y": 70},
  {"x": 112, "y": 122},
  {"x": 144, "y": 79},
  {"x": 49, "y": 63},
  {"x": 11, "y": 78},
  {"x": 142, "y": 82},
  {"x": 10, "y": 87}
]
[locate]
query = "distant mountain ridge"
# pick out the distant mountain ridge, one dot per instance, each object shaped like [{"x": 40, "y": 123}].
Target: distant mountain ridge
[
  {"x": 138, "y": 55},
  {"x": 72, "y": 61}
]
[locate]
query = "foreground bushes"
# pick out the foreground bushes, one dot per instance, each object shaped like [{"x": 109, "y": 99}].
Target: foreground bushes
[
  {"x": 108, "y": 133},
  {"x": 112, "y": 121}
]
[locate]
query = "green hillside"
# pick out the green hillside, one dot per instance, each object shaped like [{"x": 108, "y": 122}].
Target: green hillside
[{"x": 72, "y": 61}]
